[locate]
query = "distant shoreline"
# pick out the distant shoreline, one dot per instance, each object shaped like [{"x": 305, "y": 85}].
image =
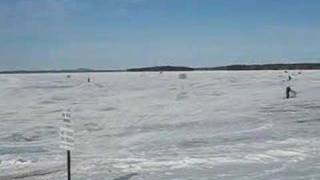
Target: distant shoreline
[
  {"x": 57, "y": 71},
  {"x": 239, "y": 67}
]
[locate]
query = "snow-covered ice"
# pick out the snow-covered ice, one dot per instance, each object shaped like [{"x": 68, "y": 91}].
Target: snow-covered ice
[{"x": 212, "y": 125}]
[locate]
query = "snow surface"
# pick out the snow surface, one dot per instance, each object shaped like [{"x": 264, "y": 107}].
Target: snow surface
[{"x": 212, "y": 125}]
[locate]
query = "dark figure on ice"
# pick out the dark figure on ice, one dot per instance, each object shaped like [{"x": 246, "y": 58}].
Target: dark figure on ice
[
  {"x": 88, "y": 79},
  {"x": 289, "y": 78},
  {"x": 289, "y": 91}
]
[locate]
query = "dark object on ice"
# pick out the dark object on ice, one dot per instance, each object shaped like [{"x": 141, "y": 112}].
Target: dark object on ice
[
  {"x": 289, "y": 78},
  {"x": 69, "y": 164},
  {"x": 22, "y": 160},
  {"x": 68, "y": 76},
  {"x": 182, "y": 76},
  {"x": 126, "y": 177},
  {"x": 288, "y": 91},
  {"x": 88, "y": 79},
  {"x": 308, "y": 121}
]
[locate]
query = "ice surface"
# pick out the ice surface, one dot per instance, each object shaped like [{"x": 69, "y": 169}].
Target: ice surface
[{"x": 212, "y": 125}]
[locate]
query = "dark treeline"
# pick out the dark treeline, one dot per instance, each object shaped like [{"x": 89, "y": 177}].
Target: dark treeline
[
  {"x": 302, "y": 66},
  {"x": 161, "y": 68},
  {"x": 297, "y": 66}
]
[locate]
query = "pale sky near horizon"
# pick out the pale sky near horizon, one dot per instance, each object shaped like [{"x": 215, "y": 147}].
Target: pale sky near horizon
[{"x": 116, "y": 34}]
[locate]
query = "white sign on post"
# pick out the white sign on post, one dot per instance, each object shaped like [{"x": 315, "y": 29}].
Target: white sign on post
[{"x": 67, "y": 132}]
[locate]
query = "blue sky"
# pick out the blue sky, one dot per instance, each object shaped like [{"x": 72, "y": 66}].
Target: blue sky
[{"x": 112, "y": 34}]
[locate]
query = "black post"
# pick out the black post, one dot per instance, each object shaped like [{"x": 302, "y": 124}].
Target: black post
[
  {"x": 69, "y": 164},
  {"x": 288, "y": 89}
]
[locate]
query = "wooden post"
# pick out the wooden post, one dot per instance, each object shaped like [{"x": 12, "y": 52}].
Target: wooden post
[
  {"x": 69, "y": 164},
  {"x": 67, "y": 140}
]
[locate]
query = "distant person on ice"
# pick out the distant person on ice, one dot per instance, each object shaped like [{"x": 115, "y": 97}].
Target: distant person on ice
[{"x": 289, "y": 91}]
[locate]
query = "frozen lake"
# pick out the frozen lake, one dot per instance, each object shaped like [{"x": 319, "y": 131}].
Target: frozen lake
[{"x": 151, "y": 126}]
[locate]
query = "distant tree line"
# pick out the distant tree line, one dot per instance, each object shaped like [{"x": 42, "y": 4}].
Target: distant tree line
[
  {"x": 162, "y": 68},
  {"x": 297, "y": 66},
  {"x": 302, "y": 66}
]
